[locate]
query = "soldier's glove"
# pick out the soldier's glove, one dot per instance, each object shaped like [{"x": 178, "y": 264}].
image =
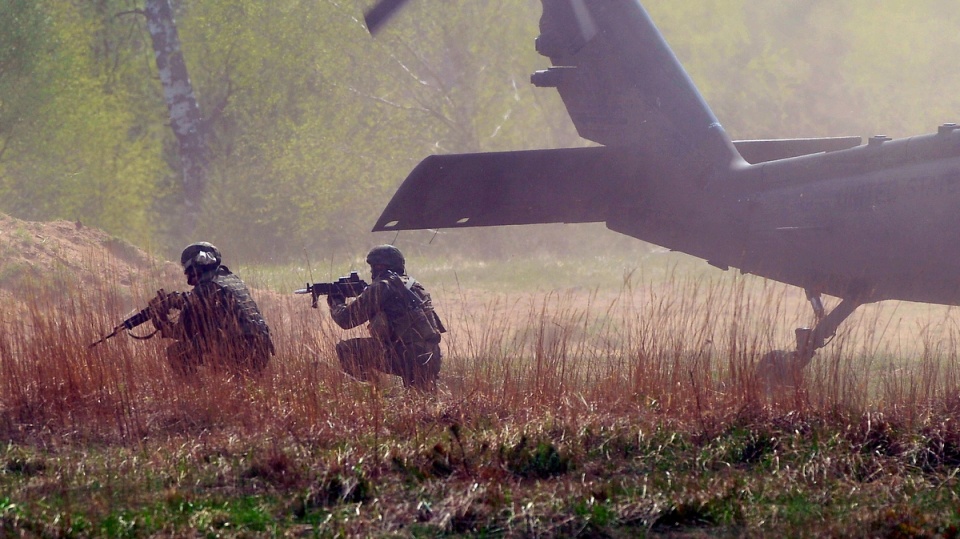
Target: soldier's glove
[
  {"x": 158, "y": 308},
  {"x": 161, "y": 304},
  {"x": 334, "y": 300}
]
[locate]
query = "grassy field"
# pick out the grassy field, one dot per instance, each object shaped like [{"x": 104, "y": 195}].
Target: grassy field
[{"x": 604, "y": 397}]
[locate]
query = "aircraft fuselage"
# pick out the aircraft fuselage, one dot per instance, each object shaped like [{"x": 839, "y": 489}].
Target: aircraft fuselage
[{"x": 874, "y": 222}]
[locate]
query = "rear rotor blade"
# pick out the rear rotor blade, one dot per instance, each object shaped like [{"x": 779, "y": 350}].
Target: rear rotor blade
[{"x": 378, "y": 15}]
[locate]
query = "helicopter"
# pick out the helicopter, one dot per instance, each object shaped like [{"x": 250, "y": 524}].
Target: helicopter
[{"x": 862, "y": 222}]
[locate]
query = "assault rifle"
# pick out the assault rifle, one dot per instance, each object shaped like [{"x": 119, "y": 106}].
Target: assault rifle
[
  {"x": 349, "y": 287},
  {"x": 156, "y": 308}
]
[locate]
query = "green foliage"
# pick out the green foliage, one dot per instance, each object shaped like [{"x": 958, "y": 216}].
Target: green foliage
[
  {"x": 802, "y": 68},
  {"x": 80, "y": 492},
  {"x": 539, "y": 459},
  {"x": 23, "y": 40},
  {"x": 900, "y": 69},
  {"x": 79, "y": 147},
  {"x": 314, "y": 123}
]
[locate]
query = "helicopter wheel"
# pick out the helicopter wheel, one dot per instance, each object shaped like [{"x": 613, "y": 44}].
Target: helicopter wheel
[{"x": 780, "y": 368}]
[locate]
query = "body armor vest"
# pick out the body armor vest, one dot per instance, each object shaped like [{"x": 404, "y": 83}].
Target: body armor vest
[{"x": 245, "y": 309}]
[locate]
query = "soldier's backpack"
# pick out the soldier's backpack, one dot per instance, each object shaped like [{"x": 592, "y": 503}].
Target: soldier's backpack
[{"x": 420, "y": 322}]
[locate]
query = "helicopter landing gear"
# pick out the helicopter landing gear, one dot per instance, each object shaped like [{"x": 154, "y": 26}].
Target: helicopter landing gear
[{"x": 782, "y": 367}]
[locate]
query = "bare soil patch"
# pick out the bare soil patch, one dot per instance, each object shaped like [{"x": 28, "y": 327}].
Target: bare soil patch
[{"x": 64, "y": 252}]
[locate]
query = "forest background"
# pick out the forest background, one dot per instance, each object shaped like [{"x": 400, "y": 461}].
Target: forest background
[{"x": 313, "y": 123}]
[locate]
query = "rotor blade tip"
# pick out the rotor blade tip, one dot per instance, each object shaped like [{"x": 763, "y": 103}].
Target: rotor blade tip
[{"x": 380, "y": 13}]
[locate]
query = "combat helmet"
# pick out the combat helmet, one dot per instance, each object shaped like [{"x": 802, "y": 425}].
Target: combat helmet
[
  {"x": 387, "y": 255},
  {"x": 202, "y": 255}
]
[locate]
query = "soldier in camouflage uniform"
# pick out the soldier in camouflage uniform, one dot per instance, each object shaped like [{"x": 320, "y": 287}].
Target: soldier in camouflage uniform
[
  {"x": 405, "y": 328},
  {"x": 219, "y": 322}
]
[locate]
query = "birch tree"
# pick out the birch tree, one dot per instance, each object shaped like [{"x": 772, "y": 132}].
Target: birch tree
[{"x": 185, "y": 118}]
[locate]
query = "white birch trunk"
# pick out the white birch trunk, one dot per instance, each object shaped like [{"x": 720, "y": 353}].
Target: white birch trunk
[{"x": 185, "y": 118}]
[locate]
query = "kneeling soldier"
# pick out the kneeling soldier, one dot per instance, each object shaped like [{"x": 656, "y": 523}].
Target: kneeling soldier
[
  {"x": 219, "y": 322},
  {"x": 405, "y": 328}
]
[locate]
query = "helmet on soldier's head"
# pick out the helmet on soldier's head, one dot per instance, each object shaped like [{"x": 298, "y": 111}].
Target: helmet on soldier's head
[
  {"x": 201, "y": 255},
  {"x": 386, "y": 255}
]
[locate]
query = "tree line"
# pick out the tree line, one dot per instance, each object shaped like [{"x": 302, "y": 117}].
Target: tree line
[{"x": 311, "y": 123}]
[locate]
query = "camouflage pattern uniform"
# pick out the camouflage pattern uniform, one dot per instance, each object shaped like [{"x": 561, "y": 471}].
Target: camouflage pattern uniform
[
  {"x": 405, "y": 340},
  {"x": 220, "y": 324}
]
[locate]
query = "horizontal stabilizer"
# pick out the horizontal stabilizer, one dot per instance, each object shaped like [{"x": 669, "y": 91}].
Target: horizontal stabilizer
[
  {"x": 568, "y": 185},
  {"x": 762, "y": 151}
]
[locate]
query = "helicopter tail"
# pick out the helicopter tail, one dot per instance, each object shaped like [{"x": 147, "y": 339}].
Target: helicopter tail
[
  {"x": 622, "y": 85},
  {"x": 623, "y": 88}
]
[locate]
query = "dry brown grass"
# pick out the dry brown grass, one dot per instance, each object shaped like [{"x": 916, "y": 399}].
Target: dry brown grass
[
  {"x": 681, "y": 348},
  {"x": 622, "y": 385}
]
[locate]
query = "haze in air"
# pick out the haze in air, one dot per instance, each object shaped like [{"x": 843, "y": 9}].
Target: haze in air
[{"x": 313, "y": 124}]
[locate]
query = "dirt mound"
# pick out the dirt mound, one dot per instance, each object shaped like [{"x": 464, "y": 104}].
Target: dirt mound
[{"x": 59, "y": 255}]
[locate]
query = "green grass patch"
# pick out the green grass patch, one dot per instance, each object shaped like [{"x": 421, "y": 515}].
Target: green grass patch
[{"x": 528, "y": 486}]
